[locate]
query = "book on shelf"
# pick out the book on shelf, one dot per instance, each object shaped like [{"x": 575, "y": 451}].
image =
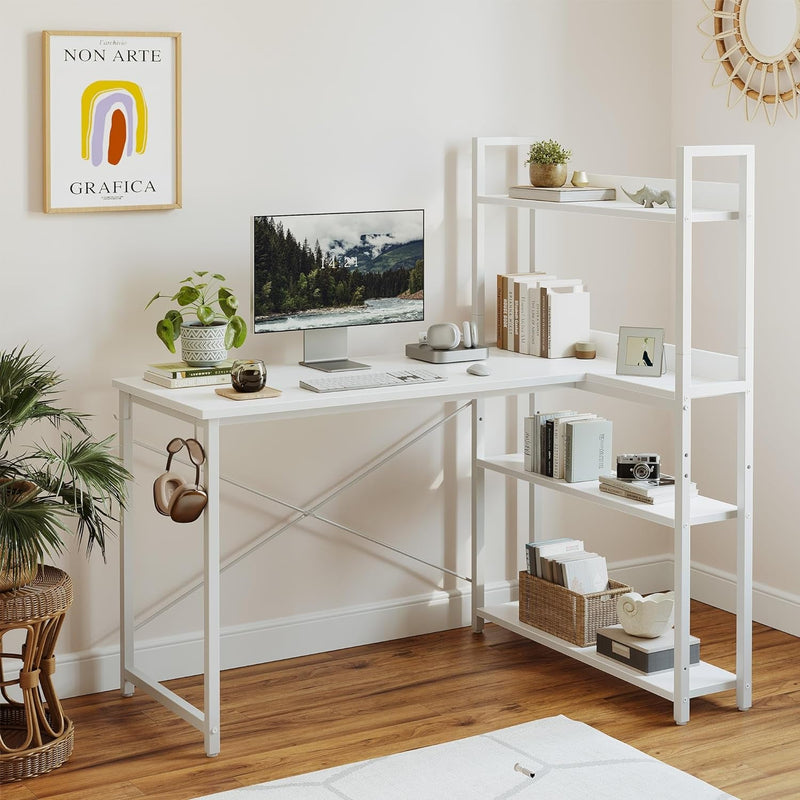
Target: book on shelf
[
  {"x": 636, "y": 490},
  {"x": 555, "y": 465},
  {"x": 583, "y": 573},
  {"x": 223, "y": 378},
  {"x": 562, "y": 194},
  {"x": 533, "y": 461},
  {"x": 539, "y": 309},
  {"x": 534, "y": 551},
  {"x": 587, "y": 449},
  {"x": 180, "y": 369},
  {"x": 567, "y": 320},
  {"x": 509, "y": 290}
]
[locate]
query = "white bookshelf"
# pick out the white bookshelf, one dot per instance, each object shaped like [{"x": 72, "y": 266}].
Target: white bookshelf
[{"x": 691, "y": 374}]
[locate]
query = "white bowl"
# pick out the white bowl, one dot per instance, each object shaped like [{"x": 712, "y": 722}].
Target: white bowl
[{"x": 647, "y": 617}]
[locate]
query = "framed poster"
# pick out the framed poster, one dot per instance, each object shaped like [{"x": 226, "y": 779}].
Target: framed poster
[{"x": 112, "y": 121}]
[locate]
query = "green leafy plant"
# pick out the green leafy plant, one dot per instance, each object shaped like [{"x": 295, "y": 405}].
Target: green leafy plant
[
  {"x": 548, "y": 152},
  {"x": 45, "y": 486},
  {"x": 206, "y": 297}
]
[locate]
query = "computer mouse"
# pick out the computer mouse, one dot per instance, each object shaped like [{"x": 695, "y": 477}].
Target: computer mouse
[{"x": 479, "y": 369}]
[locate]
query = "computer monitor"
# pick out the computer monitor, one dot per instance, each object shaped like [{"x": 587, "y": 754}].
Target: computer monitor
[{"x": 324, "y": 273}]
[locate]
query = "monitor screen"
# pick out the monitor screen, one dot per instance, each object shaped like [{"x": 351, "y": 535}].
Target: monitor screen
[{"x": 314, "y": 271}]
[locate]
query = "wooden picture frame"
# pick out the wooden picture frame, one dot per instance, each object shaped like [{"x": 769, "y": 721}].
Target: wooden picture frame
[
  {"x": 640, "y": 351},
  {"x": 112, "y": 121}
]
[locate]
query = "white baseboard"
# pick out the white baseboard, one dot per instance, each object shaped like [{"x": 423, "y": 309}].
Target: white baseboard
[
  {"x": 270, "y": 640},
  {"x": 275, "y": 639}
]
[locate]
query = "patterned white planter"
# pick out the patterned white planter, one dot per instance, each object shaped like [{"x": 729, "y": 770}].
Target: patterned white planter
[{"x": 203, "y": 345}]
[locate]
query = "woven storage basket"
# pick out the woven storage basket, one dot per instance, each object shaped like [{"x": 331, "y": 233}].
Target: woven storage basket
[{"x": 566, "y": 614}]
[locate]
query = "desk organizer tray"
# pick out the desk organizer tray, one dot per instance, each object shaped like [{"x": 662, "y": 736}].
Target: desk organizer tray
[{"x": 567, "y": 614}]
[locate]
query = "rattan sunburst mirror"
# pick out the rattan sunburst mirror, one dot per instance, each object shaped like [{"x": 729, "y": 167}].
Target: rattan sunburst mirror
[{"x": 756, "y": 47}]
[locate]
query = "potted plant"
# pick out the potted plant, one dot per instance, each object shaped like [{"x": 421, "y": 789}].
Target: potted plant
[
  {"x": 217, "y": 328},
  {"x": 547, "y": 163},
  {"x": 46, "y": 486}
]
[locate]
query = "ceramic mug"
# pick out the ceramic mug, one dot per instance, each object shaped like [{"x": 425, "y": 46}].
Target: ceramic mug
[{"x": 248, "y": 375}]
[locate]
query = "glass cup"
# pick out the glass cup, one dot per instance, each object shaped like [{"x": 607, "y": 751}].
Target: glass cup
[{"x": 248, "y": 375}]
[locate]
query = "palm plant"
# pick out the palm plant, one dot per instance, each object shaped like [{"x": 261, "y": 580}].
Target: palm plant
[{"x": 45, "y": 487}]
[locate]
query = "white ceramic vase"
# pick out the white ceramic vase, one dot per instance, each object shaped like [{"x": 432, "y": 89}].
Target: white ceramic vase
[
  {"x": 203, "y": 345},
  {"x": 647, "y": 617}
]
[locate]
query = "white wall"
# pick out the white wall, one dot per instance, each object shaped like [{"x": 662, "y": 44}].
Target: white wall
[{"x": 344, "y": 105}]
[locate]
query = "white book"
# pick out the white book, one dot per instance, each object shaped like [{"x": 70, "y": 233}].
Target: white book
[
  {"x": 519, "y": 308},
  {"x": 587, "y": 449},
  {"x": 507, "y": 291},
  {"x": 539, "y": 436},
  {"x": 586, "y": 575},
  {"x": 532, "y": 548},
  {"x": 549, "y": 549},
  {"x": 180, "y": 383},
  {"x": 560, "y": 441},
  {"x": 557, "y": 564},
  {"x": 537, "y": 310},
  {"x": 562, "y": 194},
  {"x": 567, "y": 321}
]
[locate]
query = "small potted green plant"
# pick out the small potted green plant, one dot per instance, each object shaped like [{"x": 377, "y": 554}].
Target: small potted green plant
[
  {"x": 217, "y": 328},
  {"x": 52, "y": 490},
  {"x": 547, "y": 163}
]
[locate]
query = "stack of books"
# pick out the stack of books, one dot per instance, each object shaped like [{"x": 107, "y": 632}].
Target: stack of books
[
  {"x": 568, "y": 445},
  {"x": 540, "y": 314},
  {"x": 657, "y": 490},
  {"x": 178, "y": 374},
  {"x": 564, "y": 562},
  {"x": 562, "y": 194}
]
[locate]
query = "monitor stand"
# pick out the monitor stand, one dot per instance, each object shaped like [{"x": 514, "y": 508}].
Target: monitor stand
[{"x": 326, "y": 349}]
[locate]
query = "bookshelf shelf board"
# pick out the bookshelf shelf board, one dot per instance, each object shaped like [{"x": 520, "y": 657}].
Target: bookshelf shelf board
[
  {"x": 703, "y": 509},
  {"x": 609, "y": 208},
  {"x": 704, "y": 678}
]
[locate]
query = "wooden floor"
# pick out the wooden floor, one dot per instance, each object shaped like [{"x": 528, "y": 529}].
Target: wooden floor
[{"x": 290, "y": 717}]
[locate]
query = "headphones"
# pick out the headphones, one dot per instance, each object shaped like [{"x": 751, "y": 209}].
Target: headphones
[
  {"x": 448, "y": 336},
  {"x": 172, "y": 497}
]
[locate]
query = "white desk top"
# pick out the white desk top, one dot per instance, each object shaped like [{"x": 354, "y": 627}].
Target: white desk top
[{"x": 510, "y": 373}]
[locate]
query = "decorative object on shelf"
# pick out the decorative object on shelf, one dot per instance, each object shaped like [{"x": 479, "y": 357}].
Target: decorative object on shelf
[
  {"x": 205, "y": 342},
  {"x": 755, "y": 44},
  {"x": 647, "y": 617},
  {"x": 647, "y": 197},
  {"x": 640, "y": 351},
  {"x": 45, "y": 484},
  {"x": 567, "y": 614},
  {"x": 579, "y": 179},
  {"x": 248, "y": 375},
  {"x": 172, "y": 496},
  {"x": 648, "y": 655},
  {"x": 112, "y": 120},
  {"x": 547, "y": 163},
  {"x": 585, "y": 350}
]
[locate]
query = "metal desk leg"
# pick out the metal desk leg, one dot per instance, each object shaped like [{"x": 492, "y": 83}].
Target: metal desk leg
[
  {"x": 125, "y": 423},
  {"x": 211, "y": 593},
  {"x": 478, "y": 521}
]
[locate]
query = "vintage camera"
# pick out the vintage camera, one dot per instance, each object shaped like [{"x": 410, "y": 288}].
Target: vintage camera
[{"x": 638, "y": 466}]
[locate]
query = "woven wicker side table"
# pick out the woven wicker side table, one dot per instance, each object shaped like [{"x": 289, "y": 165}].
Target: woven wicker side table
[{"x": 35, "y": 735}]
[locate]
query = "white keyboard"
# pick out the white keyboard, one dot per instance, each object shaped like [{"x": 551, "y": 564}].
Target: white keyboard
[{"x": 369, "y": 380}]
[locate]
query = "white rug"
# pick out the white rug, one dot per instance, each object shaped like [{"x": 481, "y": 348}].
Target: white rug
[{"x": 570, "y": 761}]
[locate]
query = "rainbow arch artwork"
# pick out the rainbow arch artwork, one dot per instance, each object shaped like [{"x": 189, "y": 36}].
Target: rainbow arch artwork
[{"x": 113, "y": 121}]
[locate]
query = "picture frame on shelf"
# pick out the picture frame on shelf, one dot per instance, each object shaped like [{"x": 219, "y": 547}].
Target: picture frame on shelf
[
  {"x": 640, "y": 351},
  {"x": 112, "y": 121}
]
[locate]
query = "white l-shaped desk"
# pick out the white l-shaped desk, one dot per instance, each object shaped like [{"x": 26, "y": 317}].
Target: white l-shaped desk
[{"x": 207, "y": 412}]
